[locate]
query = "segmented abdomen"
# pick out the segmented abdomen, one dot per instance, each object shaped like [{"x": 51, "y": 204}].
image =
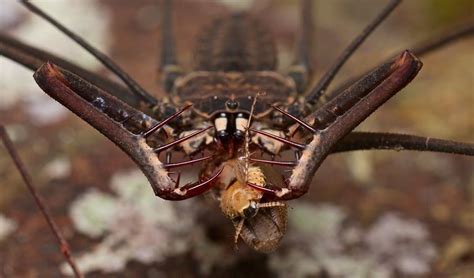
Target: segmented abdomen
[
  {"x": 235, "y": 43},
  {"x": 255, "y": 176}
]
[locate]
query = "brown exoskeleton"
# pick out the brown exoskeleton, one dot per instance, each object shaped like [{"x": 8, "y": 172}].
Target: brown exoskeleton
[{"x": 207, "y": 109}]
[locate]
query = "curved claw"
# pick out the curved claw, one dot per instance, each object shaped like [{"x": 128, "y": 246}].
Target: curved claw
[
  {"x": 191, "y": 190},
  {"x": 272, "y": 191}
]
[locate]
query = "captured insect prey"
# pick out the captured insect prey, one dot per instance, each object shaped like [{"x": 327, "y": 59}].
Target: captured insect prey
[
  {"x": 233, "y": 126},
  {"x": 261, "y": 224}
]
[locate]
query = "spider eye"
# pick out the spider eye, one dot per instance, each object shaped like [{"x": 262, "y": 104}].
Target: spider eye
[
  {"x": 251, "y": 210},
  {"x": 241, "y": 122},
  {"x": 221, "y": 126}
]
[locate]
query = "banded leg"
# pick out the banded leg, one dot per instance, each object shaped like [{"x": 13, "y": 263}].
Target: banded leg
[
  {"x": 301, "y": 68},
  {"x": 124, "y": 126},
  {"x": 337, "y": 118},
  {"x": 168, "y": 64}
]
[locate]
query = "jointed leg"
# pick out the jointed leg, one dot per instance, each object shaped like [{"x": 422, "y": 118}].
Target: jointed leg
[
  {"x": 64, "y": 246},
  {"x": 106, "y": 61},
  {"x": 319, "y": 90},
  {"x": 301, "y": 68},
  {"x": 33, "y": 58},
  {"x": 168, "y": 64},
  {"x": 358, "y": 141},
  {"x": 389, "y": 141},
  {"x": 419, "y": 50},
  {"x": 444, "y": 40}
]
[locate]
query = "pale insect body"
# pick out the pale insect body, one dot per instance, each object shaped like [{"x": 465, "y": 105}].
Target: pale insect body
[{"x": 261, "y": 225}]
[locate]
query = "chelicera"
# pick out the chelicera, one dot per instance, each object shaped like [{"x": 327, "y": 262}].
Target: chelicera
[{"x": 211, "y": 114}]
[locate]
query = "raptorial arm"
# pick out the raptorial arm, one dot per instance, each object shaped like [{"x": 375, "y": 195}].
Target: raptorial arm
[
  {"x": 127, "y": 127},
  {"x": 337, "y": 118}
]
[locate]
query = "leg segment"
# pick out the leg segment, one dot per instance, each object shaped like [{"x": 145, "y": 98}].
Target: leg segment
[
  {"x": 358, "y": 141},
  {"x": 124, "y": 126},
  {"x": 317, "y": 91},
  {"x": 64, "y": 245},
  {"x": 301, "y": 68},
  {"x": 168, "y": 64},
  {"x": 388, "y": 141},
  {"x": 106, "y": 61},
  {"x": 419, "y": 50},
  {"x": 33, "y": 58}
]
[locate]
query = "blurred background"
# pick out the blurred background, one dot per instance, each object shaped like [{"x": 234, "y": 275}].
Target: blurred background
[{"x": 368, "y": 214}]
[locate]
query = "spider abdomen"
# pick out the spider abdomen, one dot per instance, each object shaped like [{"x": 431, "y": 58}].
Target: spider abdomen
[{"x": 235, "y": 43}]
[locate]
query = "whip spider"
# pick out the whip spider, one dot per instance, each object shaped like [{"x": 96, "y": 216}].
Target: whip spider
[{"x": 206, "y": 113}]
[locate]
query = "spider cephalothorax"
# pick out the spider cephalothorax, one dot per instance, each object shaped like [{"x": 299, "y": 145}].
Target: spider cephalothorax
[{"x": 212, "y": 111}]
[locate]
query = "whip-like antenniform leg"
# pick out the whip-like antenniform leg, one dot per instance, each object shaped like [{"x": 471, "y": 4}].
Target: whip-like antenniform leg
[
  {"x": 63, "y": 244},
  {"x": 301, "y": 68},
  {"x": 168, "y": 63},
  {"x": 419, "y": 50},
  {"x": 33, "y": 58},
  {"x": 317, "y": 91},
  {"x": 106, "y": 61}
]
